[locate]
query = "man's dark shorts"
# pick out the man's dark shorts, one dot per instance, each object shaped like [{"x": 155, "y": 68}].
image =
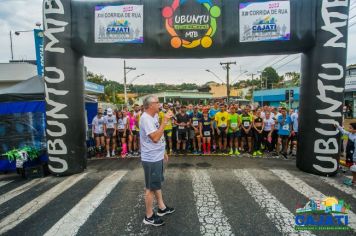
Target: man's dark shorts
[
  {"x": 98, "y": 135},
  {"x": 233, "y": 135},
  {"x": 110, "y": 133},
  {"x": 246, "y": 135},
  {"x": 153, "y": 174},
  {"x": 182, "y": 135},
  {"x": 123, "y": 134},
  {"x": 222, "y": 132},
  {"x": 284, "y": 137}
]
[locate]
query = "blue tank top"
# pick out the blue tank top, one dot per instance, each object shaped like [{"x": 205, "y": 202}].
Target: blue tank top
[{"x": 206, "y": 124}]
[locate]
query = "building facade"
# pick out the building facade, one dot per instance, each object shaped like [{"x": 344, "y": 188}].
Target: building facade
[{"x": 274, "y": 97}]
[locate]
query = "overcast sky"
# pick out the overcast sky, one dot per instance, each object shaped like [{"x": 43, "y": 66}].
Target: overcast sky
[{"x": 23, "y": 15}]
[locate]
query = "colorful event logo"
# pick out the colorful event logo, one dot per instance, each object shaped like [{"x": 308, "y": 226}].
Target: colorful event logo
[
  {"x": 264, "y": 21},
  {"x": 268, "y": 24},
  {"x": 119, "y": 24},
  {"x": 326, "y": 214},
  {"x": 118, "y": 27},
  {"x": 191, "y": 23}
]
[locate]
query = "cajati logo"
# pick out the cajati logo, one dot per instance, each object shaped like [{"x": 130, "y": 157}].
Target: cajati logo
[
  {"x": 191, "y": 23},
  {"x": 328, "y": 213}
]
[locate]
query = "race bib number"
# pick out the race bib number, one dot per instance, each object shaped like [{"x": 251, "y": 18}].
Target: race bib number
[
  {"x": 121, "y": 126},
  {"x": 285, "y": 127},
  {"x": 195, "y": 123},
  {"x": 223, "y": 125},
  {"x": 206, "y": 133},
  {"x": 181, "y": 127},
  {"x": 233, "y": 125},
  {"x": 246, "y": 123}
]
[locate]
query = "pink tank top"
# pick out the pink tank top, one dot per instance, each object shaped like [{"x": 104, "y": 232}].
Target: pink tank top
[{"x": 132, "y": 121}]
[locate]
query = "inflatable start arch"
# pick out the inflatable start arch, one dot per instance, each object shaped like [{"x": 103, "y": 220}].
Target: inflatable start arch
[{"x": 196, "y": 29}]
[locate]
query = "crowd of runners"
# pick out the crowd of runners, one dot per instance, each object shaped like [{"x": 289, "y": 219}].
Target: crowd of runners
[{"x": 201, "y": 130}]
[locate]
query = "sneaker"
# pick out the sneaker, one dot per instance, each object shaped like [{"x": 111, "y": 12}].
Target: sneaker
[
  {"x": 153, "y": 220},
  {"x": 231, "y": 152},
  {"x": 348, "y": 182},
  {"x": 285, "y": 155},
  {"x": 108, "y": 155},
  {"x": 254, "y": 154},
  {"x": 167, "y": 211},
  {"x": 259, "y": 152},
  {"x": 113, "y": 153},
  {"x": 237, "y": 152}
]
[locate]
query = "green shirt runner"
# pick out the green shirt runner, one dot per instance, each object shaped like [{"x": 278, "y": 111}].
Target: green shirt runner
[{"x": 234, "y": 118}]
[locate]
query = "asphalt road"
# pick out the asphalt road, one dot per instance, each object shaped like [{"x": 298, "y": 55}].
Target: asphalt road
[{"x": 212, "y": 196}]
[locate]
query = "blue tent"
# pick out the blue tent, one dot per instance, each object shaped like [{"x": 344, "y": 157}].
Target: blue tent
[{"x": 22, "y": 118}]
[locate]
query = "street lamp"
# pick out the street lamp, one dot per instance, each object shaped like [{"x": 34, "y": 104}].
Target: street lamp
[
  {"x": 135, "y": 78},
  {"x": 207, "y": 70},
  {"x": 17, "y": 33}
]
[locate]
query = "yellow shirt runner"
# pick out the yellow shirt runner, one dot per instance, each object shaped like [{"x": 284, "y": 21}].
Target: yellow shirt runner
[{"x": 221, "y": 119}]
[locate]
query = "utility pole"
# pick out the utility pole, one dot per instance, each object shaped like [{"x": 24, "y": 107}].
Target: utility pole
[
  {"x": 129, "y": 69},
  {"x": 253, "y": 86},
  {"x": 227, "y": 64},
  {"x": 11, "y": 47}
]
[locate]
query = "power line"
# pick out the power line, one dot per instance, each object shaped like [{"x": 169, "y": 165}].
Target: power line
[
  {"x": 280, "y": 60},
  {"x": 268, "y": 61},
  {"x": 287, "y": 62},
  {"x": 354, "y": 23}
]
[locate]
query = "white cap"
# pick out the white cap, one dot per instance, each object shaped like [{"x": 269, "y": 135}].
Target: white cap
[{"x": 109, "y": 111}]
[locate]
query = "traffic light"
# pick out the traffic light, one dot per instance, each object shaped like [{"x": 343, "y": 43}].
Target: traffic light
[{"x": 287, "y": 94}]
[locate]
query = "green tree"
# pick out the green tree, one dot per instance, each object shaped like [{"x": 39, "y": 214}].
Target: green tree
[
  {"x": 295, "y": 78},
  {"x": 95, "y": 78},
  {"x": 272, "y": 77}
]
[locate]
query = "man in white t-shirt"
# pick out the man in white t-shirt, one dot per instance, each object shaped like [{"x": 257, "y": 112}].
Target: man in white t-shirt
[{"x": 152, "y": 154}]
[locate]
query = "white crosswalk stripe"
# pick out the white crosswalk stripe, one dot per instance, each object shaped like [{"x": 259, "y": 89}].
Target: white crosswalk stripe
[
  {"x": 211, "y": 217},
  {"x": 33, "y": 206},
  {"x": 78, "y": 215},
  {"x": 23, "y": 188},
  {"x": 275, "y": 211},
  {"x": 340, "y": 186},
  {"x": 308, "y": 191},
  {"x": 5, "y": 182}
]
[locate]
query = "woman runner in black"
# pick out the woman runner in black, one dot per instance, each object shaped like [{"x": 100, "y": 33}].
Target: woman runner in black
[
  {"x": 258, "y": 127},
  {"x": 206, "y": 131}
]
